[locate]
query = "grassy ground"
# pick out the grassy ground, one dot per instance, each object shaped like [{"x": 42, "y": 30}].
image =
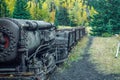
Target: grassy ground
[
  {"x": 75, "y": 54},
  {"x": 103, "y": 52},
  {"x": 64, "y": 27}
]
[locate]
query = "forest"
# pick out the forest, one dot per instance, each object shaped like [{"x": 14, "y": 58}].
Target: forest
[{"x": 103, "y": 16}]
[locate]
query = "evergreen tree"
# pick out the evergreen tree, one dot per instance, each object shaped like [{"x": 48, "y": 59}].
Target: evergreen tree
[
  {"x": 4, "y": 12},
  {"x": 56, "y": 20},
  {"x": 21, "y": 11},
  {"x": 107, "y": 20},
  {"x": 61, "y": 17}
]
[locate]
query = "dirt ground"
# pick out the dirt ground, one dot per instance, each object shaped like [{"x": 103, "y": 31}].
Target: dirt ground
[{"x": 83, "y": 69}]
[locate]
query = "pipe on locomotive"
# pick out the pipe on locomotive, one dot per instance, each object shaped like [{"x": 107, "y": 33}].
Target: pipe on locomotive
[{"x": 13, "y": 34}]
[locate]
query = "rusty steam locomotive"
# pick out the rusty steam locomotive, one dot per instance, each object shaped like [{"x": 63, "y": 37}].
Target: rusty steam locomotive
[{"x": 30, "y": 49}]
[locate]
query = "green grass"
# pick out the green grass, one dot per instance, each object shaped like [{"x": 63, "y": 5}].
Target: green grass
[
  {"x": 64, "y": 27},
  {"x": 103, "y": 52},
  {"x": 69, "y": 27},
  {"x": 75, "y": 54}
]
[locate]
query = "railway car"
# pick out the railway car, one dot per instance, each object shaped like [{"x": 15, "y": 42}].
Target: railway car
[
  {"x": 61, "y": 45},
  {"x": 79, "y": 33},
  {"x": 65, "y": 40}
]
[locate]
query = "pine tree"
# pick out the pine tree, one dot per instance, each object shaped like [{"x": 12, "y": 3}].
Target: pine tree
[
  {"x": 21, "y": 11},
  {"x": 107, "y": 20},
  {"x": 56, "y": 20},
  {"x": 61, "y": 17},
  {"x": 4, "y": 12}
]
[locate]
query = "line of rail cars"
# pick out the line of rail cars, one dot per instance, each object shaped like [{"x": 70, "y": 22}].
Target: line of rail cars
[
  {"x": 65, "y": 40},
  {"x": 30, "y": 49}
]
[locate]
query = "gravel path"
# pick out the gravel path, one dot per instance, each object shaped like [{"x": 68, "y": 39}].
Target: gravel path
[{"x": 83, "y": 70}]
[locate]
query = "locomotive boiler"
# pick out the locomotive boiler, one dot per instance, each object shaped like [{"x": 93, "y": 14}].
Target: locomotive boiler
[{"x": 25, "y": 47}]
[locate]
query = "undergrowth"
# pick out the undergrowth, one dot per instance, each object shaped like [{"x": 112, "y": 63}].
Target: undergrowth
[
  {"x": 75, "y": 54},
  {"x": 103, "y": 52}
]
